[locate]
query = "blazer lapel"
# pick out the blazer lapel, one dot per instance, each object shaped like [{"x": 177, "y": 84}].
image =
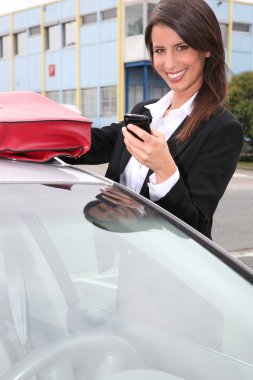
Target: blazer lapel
[
  {"x": 144, "y": 190},
  {"x": 175, "y": 146},
  {"x": 124, "y": 160}
]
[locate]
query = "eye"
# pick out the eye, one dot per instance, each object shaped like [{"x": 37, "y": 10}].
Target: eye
[
  {"x": 158, "y": 50},
  {"x": 181, "y": 47}
]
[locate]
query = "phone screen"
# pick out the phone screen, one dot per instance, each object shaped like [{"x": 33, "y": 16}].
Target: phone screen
[{"x": 142, "y": 121}]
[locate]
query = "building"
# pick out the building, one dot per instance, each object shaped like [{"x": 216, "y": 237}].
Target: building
[{"x": 91, "y": 53}]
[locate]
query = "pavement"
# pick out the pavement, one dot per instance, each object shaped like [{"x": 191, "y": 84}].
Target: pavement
[
  {"x": 233, "y": 219},
  {"x": 228, "y": 234}
]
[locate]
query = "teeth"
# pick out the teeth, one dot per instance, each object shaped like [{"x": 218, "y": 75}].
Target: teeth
[{"x": 173, "y": 76}]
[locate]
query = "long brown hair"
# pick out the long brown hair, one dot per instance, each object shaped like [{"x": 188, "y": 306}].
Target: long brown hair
[{"x": 195, "y": 22}]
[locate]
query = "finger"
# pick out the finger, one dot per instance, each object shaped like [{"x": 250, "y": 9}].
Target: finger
[
  {"x": 110, "y": 194},
  {"x": 116, "y": 197},
  {"x": 111, "y": 190},
  {"x": 157, "y": 133},
  {"x": 111, "y": 199},
  {"x": 125, "y": 199},
  {"x": 143, "y": 135}
]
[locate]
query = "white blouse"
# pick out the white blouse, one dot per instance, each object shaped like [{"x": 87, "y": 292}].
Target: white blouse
[{"x": 134, "y": 174}]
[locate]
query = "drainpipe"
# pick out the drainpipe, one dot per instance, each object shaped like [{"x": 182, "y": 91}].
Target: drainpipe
[
  {"x": 12, "y": 86},
  {"x": 121, "y": 74},
  {"x": 42, "y": 33},
  {"x": 230, "y": 30},
  {"x": 78, "y": 69}
]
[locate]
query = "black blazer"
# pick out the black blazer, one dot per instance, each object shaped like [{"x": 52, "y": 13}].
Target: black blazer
[{"x": 206, "y": 162}]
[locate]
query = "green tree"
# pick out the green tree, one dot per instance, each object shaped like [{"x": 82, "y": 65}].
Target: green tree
[{"x": 240, "y": 100}]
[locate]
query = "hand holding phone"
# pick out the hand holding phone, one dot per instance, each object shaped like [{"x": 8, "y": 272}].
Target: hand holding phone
[{"x": 142, "y": 121}]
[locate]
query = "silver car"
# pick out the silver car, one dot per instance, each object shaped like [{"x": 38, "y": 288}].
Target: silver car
[{"x": 98, "y": 283}]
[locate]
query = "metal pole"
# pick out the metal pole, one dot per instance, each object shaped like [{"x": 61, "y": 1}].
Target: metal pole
[
  {"x": 12, "y": 85},
  {"x": 230, "y": 31},
  {"x": 42, "y": 33},
  {"x": 78, "y": 69},
  {"x": 121, "y": 74},
  {"x": 145, "y": 81}
]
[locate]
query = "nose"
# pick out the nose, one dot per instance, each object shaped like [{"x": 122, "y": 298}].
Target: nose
[{"x": 170, "y": 61}]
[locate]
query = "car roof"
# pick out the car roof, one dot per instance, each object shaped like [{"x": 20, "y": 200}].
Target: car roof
[
  {"x": 55, "y": 171},
  {"x": 58, "y": 172},
  {"x": 65, "y": 277}
]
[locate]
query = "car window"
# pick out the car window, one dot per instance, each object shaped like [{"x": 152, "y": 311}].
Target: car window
[{"x": 147, "y": 283}]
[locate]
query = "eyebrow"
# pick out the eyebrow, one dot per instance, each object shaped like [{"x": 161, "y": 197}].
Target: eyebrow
[
  {"x": 175, "y": 45},
  {"x": 180, "y": 43},
  {"x": 158, "y": 46}
]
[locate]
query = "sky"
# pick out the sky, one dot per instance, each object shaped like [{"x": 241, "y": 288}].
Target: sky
[{"x": 7, "y": 6}]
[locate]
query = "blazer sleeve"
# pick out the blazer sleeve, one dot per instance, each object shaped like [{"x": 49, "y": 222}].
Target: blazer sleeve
[
  {"x": 102, "y": 144},
  {"x": 206, "y": 167},
  {"x": 107, "y": 142}
]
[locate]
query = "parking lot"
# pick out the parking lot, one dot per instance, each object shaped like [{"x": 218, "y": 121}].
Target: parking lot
[{"x": 233, "y": 220}]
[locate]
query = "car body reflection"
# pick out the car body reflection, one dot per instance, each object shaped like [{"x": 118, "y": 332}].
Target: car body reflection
[{"x": 112, "y": 287}]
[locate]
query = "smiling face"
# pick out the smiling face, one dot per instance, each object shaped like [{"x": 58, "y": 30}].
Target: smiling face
[{"x": 177, "y": 63}]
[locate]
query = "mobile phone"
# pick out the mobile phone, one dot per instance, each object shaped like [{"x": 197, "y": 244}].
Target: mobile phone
[{"x": 141, "y": 121}]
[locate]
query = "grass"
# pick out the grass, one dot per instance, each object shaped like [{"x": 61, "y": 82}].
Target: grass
[{"x": 245, "y": 164}]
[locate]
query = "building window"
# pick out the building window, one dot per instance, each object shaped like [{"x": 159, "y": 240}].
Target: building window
[
  {"x": 53, "y": 95},
  {"x": 20, "y": 43},
  {"x": 109, "y": 14},
  {"x": 34, "y": 31},
  {"x": 5, "y": 46},
  {"x": 108, "y": 101},
  {"x": 53, "y": 37},
  {"x": 151, "y": 7},
  {"x": 135, "y": 95},
  {"x": 240, "y": 27},
  {"x": 134, "y": 20},
  {"x": 237, "y": 27},
  {"x": 69, "y": 33},
  {"x": 89, "y": 101},
  {"x": 69, "y": 97},
  {"x": 89, "y": 18},
  {"x": 157, "y": 92},
  {"x": 224, "y": 33}
]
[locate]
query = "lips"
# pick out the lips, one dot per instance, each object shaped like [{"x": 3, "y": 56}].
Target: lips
[{"x": 176, "y": 75}]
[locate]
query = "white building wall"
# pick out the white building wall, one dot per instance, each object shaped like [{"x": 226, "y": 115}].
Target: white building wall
[{"x": 98, "y": 46}]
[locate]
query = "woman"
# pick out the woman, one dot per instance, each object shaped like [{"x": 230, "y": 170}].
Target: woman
[{"x": 186, "y": 163}]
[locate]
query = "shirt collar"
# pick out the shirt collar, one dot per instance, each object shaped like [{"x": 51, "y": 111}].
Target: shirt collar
[{"x": 162, "y": 104}]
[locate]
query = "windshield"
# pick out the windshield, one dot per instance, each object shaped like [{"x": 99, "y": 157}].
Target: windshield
[{"x": 91, "y": 290}]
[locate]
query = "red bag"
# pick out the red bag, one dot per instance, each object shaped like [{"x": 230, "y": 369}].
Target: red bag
[{"x": 35, "y": 128}]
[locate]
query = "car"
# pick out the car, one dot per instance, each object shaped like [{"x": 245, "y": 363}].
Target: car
[
  {"x": 247, "y": 149},
  {"x": 97, "y": 282}
]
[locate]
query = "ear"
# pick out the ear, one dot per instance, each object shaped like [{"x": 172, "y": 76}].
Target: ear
[{"x": 207, "y": 54}]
